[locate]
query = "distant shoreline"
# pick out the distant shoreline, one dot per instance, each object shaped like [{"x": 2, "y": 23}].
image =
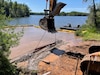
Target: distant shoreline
[{"x": 73, "y": 13}]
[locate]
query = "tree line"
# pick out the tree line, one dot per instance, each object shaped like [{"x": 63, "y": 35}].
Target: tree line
[
  {"x": 14, "y": 9},
  {"x": 73, "y": 13}
]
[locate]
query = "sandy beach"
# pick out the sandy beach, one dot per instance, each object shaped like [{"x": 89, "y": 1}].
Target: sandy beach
[{"x": 36, "y": 37}]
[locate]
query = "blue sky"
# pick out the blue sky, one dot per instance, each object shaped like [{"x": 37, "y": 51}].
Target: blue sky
[{"x": 72, "y": 5}]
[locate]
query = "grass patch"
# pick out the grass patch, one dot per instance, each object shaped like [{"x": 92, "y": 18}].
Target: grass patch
[
  {"x": 92, "y": 36},
  {"x": 89, "y": 32}
]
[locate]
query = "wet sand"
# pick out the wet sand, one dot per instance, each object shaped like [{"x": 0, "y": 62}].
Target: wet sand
[{"x": 36, "y": 37}]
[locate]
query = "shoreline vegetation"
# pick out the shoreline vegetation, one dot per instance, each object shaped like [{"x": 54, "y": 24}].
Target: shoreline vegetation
[
  {"x": 89, "y": 33},
  {"x": 73, "y": 13},
  {"x": 91, "y": 30}
]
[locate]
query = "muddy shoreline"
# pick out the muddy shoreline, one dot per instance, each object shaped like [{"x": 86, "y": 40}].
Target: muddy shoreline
[
  {"x": 30, "y": 41},
  {"x": 36, "y": 37}
]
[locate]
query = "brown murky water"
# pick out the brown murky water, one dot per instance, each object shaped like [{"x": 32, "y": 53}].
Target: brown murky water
[{"x": 35, "y": 37}]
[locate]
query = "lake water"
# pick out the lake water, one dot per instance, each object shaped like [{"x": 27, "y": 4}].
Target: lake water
[{"x": 59, "y": 20}]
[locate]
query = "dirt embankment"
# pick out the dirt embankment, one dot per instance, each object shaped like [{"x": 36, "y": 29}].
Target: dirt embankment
[
  {"x": 83, "y": 47},
  {"x": 64, "y": 64}
]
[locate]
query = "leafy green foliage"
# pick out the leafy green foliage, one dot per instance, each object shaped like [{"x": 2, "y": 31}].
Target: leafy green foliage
[
  {"x": 14, "y": 9},
  {"x": 94, "y": 16},
  {"x": 91, "y": 30},
  {"x": 98, "y": 17},
  {"x": 6, "y": 68},
  {"x": 92, "y": 19},
  {"x": 9, "y": 37}
]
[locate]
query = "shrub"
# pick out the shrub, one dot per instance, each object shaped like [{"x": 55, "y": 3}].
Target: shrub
[{"x": 89, "y": 32}]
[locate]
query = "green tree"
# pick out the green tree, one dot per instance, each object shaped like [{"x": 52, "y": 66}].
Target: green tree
[
  {"x": 94, "y": 22},
  {"x": 63, "y": 14},
  {"x": 8, "y": 38},
  {"x": 27, "y": 11},
  {"x": 98, "y": 15},
  {"x": 6, "y": 68},
  {"x": 90, "y": 31},
  {"x": 6, "y": 7},
  {"x": 14, "y": 9}
]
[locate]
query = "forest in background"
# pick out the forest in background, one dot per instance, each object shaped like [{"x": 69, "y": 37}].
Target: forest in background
[
  {"x": 14, "y": 9},
  {"x": 73, "y": 13}
]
